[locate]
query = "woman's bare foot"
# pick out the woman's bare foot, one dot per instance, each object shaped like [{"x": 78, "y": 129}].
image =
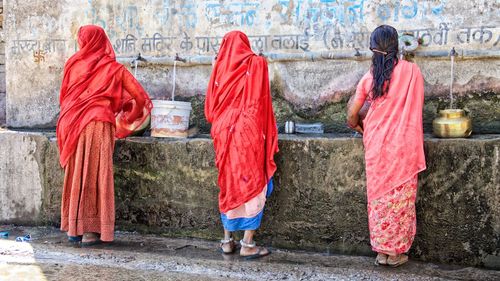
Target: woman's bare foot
[
  {"x": 228, "y": 246},
  {"x": 381, "y": 259},
  {"x": 398, "y": 260},
  {"x": 90, "y": 237},
  {"x": 251, "y": 251}
]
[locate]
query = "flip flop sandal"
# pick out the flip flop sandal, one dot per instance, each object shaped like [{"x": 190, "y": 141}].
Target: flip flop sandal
[
  {"x": 75, "y": 239},
  {"x": 259, "y": 253},
  {"x": 26, "y": 238},
  {"x": 233, "y": 248},
  {"x": 401, "y": 260},
  {"x": 381, "y": 260},
  {"x": 91, "y": 243}
]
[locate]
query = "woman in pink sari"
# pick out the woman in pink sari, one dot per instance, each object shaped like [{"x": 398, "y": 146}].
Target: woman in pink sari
[{"x": 393, "y": 139}]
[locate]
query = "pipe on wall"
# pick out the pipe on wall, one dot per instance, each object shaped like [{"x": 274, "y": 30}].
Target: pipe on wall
[{"x": 308, "y": 56}]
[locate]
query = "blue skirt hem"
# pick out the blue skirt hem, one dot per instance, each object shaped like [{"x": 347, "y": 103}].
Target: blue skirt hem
[{"x": 246, "y": 223}]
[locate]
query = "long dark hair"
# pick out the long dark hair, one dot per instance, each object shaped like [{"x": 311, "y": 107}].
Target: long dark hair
[{"x": 384, "y": 45}]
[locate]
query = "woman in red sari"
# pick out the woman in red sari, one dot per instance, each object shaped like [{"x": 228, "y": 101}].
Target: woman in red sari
[
  {"x": 238, "y": 104},
  {"x": 393, "y": 139},
  {"x": 99, "y": 100}
]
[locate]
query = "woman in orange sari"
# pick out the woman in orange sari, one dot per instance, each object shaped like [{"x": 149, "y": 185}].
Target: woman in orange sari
[
  {"x": 99, "y": 100},
  {"x": 238, "y": 104},
  {"x": 393, "y": 139}
]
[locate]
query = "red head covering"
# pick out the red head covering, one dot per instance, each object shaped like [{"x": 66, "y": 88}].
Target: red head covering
[
  {"x": 92, "y": 90},
  {"x": 239, "y": 106}
]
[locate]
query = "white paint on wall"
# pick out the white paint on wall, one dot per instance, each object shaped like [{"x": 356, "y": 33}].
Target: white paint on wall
[{"x": 20, "y": 182}]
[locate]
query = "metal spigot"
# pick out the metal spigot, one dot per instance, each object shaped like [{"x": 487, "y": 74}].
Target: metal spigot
[
  {"x": 357, "y": 54},
  {"x": 453, "y": 53},
  {"x": 135, "y": 63},
  {"x": 178, "y": 58},
  {"x": 140, "y": 58}
]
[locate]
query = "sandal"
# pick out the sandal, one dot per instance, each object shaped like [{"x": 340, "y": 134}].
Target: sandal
[
  {"x": 25, "y": 238},
  {"x": 229, "y": 241},
  {"x": 397, "y": 261},
  {"x": 260, "y": 253},
  {"x": 381, "y": 259},
  {"x": 92, "y": 242},
  {"x": 75, "y": 239}
]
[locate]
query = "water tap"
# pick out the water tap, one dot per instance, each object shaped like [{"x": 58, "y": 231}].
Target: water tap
[
  {"x": 357, "y": 54},
  {"x": 139, "y": 58},
  {"x": 136, "y": 60},
  {"x": 177, "y": 58},
  {"x": 453, "y": 53}
]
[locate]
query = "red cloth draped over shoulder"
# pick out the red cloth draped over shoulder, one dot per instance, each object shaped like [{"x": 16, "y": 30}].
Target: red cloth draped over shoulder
[
  {"x": 93, "y": 90},
  {"x": 238, "y": 104}
]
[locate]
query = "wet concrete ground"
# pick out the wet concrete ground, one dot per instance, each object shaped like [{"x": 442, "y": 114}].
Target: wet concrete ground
[{"x": 145, "y": 257}]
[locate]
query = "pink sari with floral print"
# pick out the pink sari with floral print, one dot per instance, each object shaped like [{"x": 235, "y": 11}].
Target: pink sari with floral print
[
  {"x": 392, "y": 219},
  {"x": 394, "y": 155}
]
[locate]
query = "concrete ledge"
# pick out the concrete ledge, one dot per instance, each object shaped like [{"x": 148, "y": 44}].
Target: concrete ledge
[{"x": 169, "y": 187}]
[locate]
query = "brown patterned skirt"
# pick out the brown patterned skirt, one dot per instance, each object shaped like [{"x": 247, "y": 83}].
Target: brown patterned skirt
[{"x": 88, "y": 202}]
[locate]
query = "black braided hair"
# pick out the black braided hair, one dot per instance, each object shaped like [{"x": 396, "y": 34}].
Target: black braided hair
[{"x": 384, "y": 44}]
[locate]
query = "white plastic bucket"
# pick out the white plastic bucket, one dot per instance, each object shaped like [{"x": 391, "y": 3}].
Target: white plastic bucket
[{"x": 170, "y": 119}]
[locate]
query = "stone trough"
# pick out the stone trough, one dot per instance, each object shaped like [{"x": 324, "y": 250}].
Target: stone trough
[{"x": 169, "y": 187}]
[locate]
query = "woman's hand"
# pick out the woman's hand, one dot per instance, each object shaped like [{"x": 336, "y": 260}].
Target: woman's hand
[
  {"x": 214, "y": 60},
  {"x": 358, "y": 129},
  {"x": 353, "y": 119}
]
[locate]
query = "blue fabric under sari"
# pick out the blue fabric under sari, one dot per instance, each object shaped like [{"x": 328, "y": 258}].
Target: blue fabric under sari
[{"x": 246, "y": 223}]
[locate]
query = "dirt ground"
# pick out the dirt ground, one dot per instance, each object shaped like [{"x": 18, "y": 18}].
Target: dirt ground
[{"x": 49, "y": 256}]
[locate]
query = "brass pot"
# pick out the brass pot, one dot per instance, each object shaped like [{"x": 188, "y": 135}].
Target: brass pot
[{"x": 452, "y": 123}]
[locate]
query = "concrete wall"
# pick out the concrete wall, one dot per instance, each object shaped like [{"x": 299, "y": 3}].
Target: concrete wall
[
  {"x": 2, "y": 69},
  {"x": 21, "y": 175},
  {"x": 170, "y": 187},
  {"x": 41, "y": 36}
]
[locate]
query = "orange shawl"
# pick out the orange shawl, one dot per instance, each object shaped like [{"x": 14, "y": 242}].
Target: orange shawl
[
  {"x": 92, "y": 90},
  {"x": 238, "y": 104}
]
